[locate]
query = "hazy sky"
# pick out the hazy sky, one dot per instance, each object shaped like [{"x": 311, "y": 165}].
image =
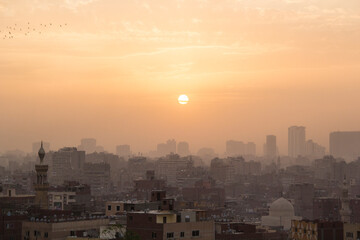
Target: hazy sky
[{"x": 114, "y": 72}]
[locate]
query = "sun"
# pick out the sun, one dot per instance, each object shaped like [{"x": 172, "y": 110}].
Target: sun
[{"x": 183, "y": 99}]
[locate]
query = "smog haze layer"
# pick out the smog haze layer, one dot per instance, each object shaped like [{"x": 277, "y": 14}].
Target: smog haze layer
[{"x": 114, "y": 70}]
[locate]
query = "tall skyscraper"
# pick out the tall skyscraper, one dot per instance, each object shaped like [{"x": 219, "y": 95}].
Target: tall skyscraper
[
  {"x": 123, "y": 150},
  {"x": 271, "y": 147},
  {"x": 42, "y": 185},
  {"x": 345, "y": 145},
  {"x": 296, "y": 141},
  {"x": 183, "y": 149}
]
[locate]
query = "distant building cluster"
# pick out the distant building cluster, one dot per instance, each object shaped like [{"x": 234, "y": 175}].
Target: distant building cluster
[{"x": 85, "y": 192}]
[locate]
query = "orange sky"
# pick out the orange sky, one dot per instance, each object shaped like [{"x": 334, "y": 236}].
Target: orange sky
[{"x": 114, "y": 72}]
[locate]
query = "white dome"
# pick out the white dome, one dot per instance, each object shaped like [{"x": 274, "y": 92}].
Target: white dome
[{"x": 281, "y": 207}]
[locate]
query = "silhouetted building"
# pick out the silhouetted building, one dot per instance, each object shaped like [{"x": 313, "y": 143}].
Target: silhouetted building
[
  {"x": 271, "y": 147},
  {"x": 345, "y": 145},
  {"x": 166, "y": 148},
  {"x": 314, "y": 150},
  {"x": 123, "y": 150},
  {"x": 296, "y": 141},
  {"x": 97, "y": 175},
  {"x": 183, "y": 149},
  {"x": 65, "y": 162},
  {"x": 168, "y": 167}
]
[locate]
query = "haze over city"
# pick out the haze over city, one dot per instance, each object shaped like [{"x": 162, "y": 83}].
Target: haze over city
[{"x": 113, "y": 70}]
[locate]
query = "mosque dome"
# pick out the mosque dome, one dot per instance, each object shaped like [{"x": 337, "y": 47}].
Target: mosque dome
[{"x": 281, "y": 207}]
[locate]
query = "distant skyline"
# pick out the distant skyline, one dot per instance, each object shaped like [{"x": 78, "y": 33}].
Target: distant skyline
[{"x": 115, "y": 72}]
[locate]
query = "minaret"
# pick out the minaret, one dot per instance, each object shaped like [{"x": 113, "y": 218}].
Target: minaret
[
  {"x": 41, "y": 186},
  {"x": 345, "y": 211}
]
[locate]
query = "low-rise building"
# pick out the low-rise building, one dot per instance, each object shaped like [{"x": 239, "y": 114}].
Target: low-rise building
[
  {"x": 61, "y": 228},
  {"x": 316, "y": 230},
  {"x": 167, "y": 225}
]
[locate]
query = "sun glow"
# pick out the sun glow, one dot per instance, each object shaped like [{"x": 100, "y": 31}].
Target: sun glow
[{"x": 183, "y": 99}]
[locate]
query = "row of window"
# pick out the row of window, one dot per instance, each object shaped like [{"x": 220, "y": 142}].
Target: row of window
[
  {"x": 351, "y": 235},
  {"x": 195, "y": 233},
  {"x": 37, "y": 234},
  {"x": 117, "y": 208}
]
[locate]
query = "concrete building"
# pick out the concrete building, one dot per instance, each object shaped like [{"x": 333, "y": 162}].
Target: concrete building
[
  {"x": 314, "y": 150},
  {"x": 351, "y": 231},
  {"x": 243, "y": 231},
  {"x": 235, "y": 148},
  {"x": 169, "y": 166},
  {"x": 183, "y": 149},
  {"x": 345, "y": 145},
  {"x": 59, "y": 228},
  {"x": 296, "y": 141},
  {"x": 316, "y": 230},
  {"x": 123, "y": 150},
  {"x": 327, "y": 208},
  {"x": 166, "y": 148},
  {"x": 137, "y": 167},
  {"x": 71, "y": 196},
  {"x": 88, "y": 145},
  {"x": 302, "y": 195},
  {"x": 271, "y": 147},
  {"x": 161, "y": 225},
  {"x": 58, "y": 200},
  {"x": 67, "y": 164},
  {"x": 97, "y": 176}
]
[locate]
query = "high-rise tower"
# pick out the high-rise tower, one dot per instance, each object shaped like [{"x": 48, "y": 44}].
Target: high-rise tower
[
  {"x": 345, "y": 211},
  {"x": 296, "y": 141},
  {"x": 42, "y": 185}
]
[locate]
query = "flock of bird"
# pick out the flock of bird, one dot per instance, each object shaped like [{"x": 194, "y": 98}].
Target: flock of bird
[{"x": 27, "y": 29}]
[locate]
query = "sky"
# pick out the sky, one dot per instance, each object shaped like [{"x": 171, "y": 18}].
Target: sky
[{"x": 113, "y": 70}]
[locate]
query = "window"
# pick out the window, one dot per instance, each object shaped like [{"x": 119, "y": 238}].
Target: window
[
  {"x": 153, "y": 235},
  {"x": 130, "y": 218},
  {"x": 349, "y": 235},
  {"x": 195, "y": 233},
  {"x": 72, "y": 233},
  {"x": 109, "y": 207},
  {"x": 46, "y": 235},
  {"x": 182, "y": 234},
  {"x": 150, "y": 219},
  {"x": 27, "y": 233},
  {"x": 170, "y": 235},
  {"x": 164, "y": 219},
  {"x": 117, "y": 208}
]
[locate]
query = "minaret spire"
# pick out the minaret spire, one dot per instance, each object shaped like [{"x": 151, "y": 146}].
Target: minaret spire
[{"x": 41, "y": 186}]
